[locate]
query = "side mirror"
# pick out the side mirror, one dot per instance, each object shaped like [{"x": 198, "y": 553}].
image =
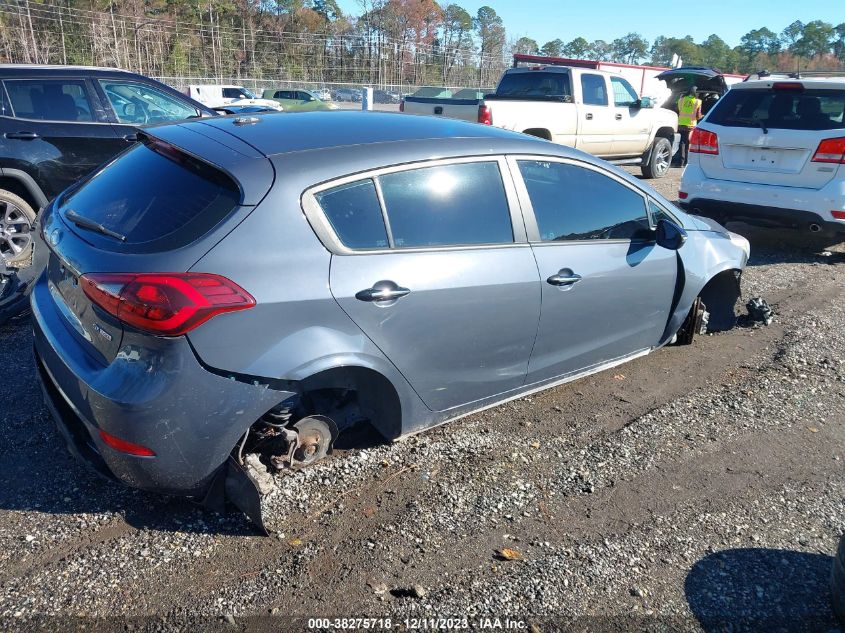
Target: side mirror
[
  {"x": 646, "y": 102},
  {"x": 669, "y": 235}
]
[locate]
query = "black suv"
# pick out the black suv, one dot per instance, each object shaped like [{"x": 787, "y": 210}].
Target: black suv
[{"x": 58, "y": 123}]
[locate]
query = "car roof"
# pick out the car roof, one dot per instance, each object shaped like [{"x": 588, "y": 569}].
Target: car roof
[
  {"x": 833, "y": 82},
  {"x": 53, "y": 69},
  {"x": 279, "y": 133}
]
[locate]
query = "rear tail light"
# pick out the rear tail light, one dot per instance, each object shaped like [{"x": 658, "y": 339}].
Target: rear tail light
[
  {"x": 166, "y": 304},
  {"x": 485, "y": 115},
  {"x": 839, "y": 215},
  {"x": 125, "y": 447},
  {"x": 831, "y": 150},
  {"x": 683, "y": 195},
  {"x": 703, "y": 142}
]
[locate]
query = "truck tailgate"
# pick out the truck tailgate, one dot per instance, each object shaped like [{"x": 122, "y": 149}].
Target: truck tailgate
[{"x": 462, "y": 109}]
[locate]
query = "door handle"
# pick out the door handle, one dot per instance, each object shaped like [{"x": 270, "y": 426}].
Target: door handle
[
  {"x": 564, "y": 277},
  {"x": 589, "y": 116},
  {"x": 23, "y": 136},
  {"x": 618, "y": 117},
  {"x": 382, "y": 291}
]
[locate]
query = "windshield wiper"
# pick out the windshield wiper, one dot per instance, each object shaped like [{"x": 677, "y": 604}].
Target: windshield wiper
[
  {"x": 755, "y": 122},
  {"x": 91, "y": 225}
]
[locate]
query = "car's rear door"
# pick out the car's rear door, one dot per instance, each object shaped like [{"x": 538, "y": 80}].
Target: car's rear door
[
  {"x": 56, "y": 131},
  {"x": 432, "y": 264},
  {"x": 770, "y": 134},
  {"x": 607, "y": 287}
]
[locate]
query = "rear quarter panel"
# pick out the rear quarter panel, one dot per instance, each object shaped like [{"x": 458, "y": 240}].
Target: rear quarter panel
[{"x": 560, "y": 119}]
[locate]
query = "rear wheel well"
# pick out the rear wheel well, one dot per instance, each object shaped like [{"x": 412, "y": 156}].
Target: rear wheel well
[
  {"x": 539, "y": 133},
  {"x": 350, "y": 395},
  {"x": 15, "y": 186}
]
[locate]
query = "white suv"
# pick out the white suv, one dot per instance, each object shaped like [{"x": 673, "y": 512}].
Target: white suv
[{"x": 772, "y": 153}]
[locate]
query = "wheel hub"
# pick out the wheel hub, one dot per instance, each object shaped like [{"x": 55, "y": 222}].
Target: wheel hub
[
  {"x": 315, "y": 435},
  {"x": 15, "y": 232}
]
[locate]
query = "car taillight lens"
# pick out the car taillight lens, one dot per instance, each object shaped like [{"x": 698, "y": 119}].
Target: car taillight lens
[
  {"x": 831, "y": 150},
  {"x": 788, "y": 85},
  {"x": 703, "y": 142},
  {"x": 838, "y": 215},
  {"x": 485, "y": 115},
  {"x": 167, "y": 304},
  {"x": 125, "y": 447}
]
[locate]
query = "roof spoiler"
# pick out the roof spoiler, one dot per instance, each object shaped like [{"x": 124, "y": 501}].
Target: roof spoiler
[{"x": 799, "y": 74}]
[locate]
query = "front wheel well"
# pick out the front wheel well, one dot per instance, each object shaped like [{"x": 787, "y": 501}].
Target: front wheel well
[
  {"x": 720, "y": 296},
  {"x": 665, "y": 132}
]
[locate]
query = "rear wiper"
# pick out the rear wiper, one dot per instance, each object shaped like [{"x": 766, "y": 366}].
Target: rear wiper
[
  {"x": 91, "y": 225},
  {"x": 755, "y": 122}
]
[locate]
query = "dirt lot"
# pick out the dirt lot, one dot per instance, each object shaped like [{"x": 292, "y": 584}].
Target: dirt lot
[{"x": 695, "y": 484}]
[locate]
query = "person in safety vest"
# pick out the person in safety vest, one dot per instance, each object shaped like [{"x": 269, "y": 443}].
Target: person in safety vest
[{"x": 689, "y": 114}]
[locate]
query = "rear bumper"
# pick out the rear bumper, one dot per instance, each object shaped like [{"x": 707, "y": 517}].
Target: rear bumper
[
  {"x": 158, "y": 396},
  {"x": 769, "y": 205}
]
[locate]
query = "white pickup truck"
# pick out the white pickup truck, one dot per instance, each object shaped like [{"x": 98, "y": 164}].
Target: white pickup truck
[{"x": 594, "y": 111}]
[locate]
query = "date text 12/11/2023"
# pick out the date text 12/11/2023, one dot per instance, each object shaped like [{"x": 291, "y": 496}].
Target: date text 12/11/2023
[{"x": 420, "y": 624}]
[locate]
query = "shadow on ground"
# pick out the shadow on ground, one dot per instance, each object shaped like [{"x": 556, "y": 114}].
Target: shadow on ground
[{"x": 760, "y": 589}]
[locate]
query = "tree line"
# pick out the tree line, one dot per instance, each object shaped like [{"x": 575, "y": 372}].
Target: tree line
[{"x": 385, "y": 42}]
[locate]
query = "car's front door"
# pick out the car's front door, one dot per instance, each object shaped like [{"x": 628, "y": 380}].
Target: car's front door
[
  {"x": 56, "y": 131},
  {"x": 607, "y": 286},
  {"x": 596, "y": 124},
  {"x": 632, "y": 122},
  {"x": 435, "y": 270}
]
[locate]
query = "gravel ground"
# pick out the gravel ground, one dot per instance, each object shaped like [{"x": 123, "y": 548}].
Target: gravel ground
[{"x": 698, "y": 488}]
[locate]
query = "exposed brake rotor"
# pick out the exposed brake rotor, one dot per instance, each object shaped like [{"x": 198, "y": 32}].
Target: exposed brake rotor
[{"x": 315, "y": 435}]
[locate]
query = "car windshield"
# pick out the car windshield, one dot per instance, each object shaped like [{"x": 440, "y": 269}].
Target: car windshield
[{"x": 813, "y": 109}]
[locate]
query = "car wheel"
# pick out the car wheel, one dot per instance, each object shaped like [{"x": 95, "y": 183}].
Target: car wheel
[
  {"x": 837, "y": 581},
  {"x": 17, "y": 219},
  {"x": 659, "y": 159}
]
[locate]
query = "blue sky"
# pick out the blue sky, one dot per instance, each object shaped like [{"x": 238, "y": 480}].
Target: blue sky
[{"x": 546, "y": 20}]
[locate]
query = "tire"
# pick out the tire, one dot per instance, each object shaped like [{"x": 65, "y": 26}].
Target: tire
[
  {"x": 17, "y": 219},
  {"x": 659, "y": 159},
  {"x": 837, "y": 582}
]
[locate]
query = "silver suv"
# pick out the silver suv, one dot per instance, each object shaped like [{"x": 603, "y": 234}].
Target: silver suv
[{"x": 262, "y": 284}]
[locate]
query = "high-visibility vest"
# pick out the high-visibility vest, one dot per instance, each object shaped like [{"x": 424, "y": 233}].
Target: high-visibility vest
[{"x": 687, "y": 107}]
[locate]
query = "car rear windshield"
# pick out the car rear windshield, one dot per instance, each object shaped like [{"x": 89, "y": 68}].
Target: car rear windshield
[
  {"x": 813, "y": 109},
  {"x": 155, "y": 196},
  {"x": 535, "y": 85}
]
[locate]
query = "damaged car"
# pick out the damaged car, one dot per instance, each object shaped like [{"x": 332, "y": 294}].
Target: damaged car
[{"x": 261, "y": 285}]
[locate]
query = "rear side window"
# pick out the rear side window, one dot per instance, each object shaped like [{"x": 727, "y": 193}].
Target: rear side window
[
  {"x": 449, "y": 205},
  {"x": 535, "y": 84},
  {"x": 574, "y": 203},
  {"x": 50, "y": 99},
  {"x": 593, "y": 90},
  {"x": 156, "y": 197},
  {"x": 813, "y": 109},
  {"x": 355, "y": 214}
]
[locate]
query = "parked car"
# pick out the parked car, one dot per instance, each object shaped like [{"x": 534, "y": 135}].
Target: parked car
[
  {"x": 225, "y": 310},
  {"x": 772, "y": 152},
  {"x": 347, "y": 94},
  {"x": 297, "y": 100},
  {"x": 837, "y": 581},
  {"x": 384, "y": 96},
  {"x": 215, "y": 96},
  {"x": 592, "y": 110},
  {"x": 323, "y": 94},
  {"x": 58, "y": 124}
]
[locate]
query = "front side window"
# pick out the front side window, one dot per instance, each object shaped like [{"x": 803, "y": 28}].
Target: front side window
[
  {"x": 593, "y": 90},
  {"x": 354, "y": 212},
  {"x": 575, "y": 203},
  {"x": 237, "y": 93},
  {"x": 50, "y": 99},
  {"x": 812, "y": 109},
  {"x": 623, "y": 94},
  {"x": 448, "y": 205},
  {"x": 139, "y": 104}
]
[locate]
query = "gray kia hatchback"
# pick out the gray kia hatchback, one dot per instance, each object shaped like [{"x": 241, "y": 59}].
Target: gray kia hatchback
[{"x": 260, "y": 285}]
